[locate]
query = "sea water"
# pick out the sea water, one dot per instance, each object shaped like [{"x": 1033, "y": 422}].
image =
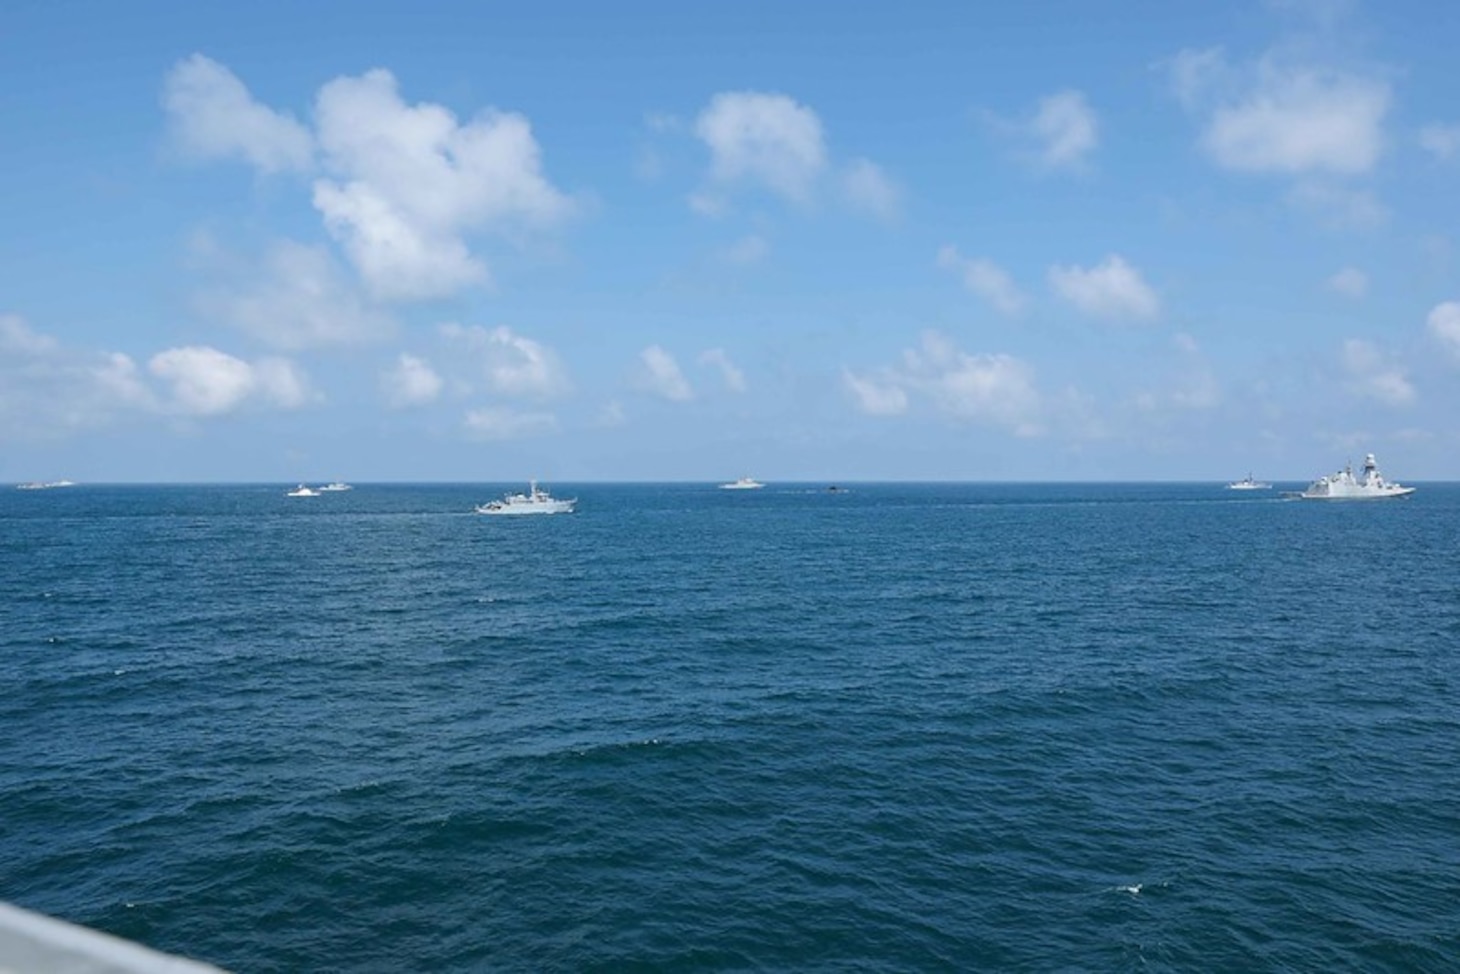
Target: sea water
[{"x": 889, "y": 727}]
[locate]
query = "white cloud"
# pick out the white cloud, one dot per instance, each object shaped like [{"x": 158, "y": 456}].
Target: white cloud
[
  {"x": 411, "y": 382},
  {"x": 398, "y": 259},
  {"x": 48, "y": 390},
  {"x": 18, "y": 338},
  {"x": 984, "y": 278},
  {"x": 117, "y": 379},
  {"x": 1339, "y": 206},
  {"x": 729, "y": 372},
  {"x": 763, "y": 137},
  {"x": 769, "y": 140},
  {"x": 213, "y": 115},
  {"x": 403, "y": 188},
  {"x": 283, "y": 384},
  {"x": 1111, "y": 289},
  {"x": 501, "y": 423},
  {"x": 876, "y": 397},
  {"x": 514, "y": 365},
  {"x": 297, "y": 300},
  {"x": 1375, "y": 375},
  {"x": 661, "y": 375},
  {"x": 207, "y": 382},
  {"x": 1283, "y": 118},
  {"x": 410, "y": 182},
  {"x": 1442, "y": 141},
  {"x": 1066, "y": 129},
  {"x": 868, "y": 188},
  {"x": 1286, "y": 116},
  {"x": 995, "y": 390},
  {"x": 750, "y": 249},
  {"x": 1444, "y": 324},
  {"x": 1350, "y": 282},
  {"x": 1195, "y": 74}
]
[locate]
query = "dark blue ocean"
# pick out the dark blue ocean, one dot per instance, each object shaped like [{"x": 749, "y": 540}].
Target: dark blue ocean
[{"x": 896, "y": 727}]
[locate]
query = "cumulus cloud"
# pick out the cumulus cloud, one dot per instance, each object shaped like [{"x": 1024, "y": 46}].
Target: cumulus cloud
[
  {"x": 49, "y": 390},
  {"x": 502, "y": 423},
  {"x": 1281, "y": 117},
  {"x": 283, "y": 384},
  {"x": 1111, "y": 289},
  {"x": 770, "y": 141},
  {"x": 876, "y": 396},
  {"x": 1375, "y": 375},
  {"x": 660, "y": 375},
  {"x": 1302, "y": 122},
  {"x": 399, "y": 259},
  {"x": 995, "y": 390},
  {"x": 1350, "y": 282},
  {"x": 984, "y": 278},
  {"x": 514, "y": 365},
  {"x": 868, "y": 188},
  {"x": 403, "y": 188},
  {"x": 1441, "y": 141},
  {"x": 410, "y": 382},
  {"x": 19, "y": 339},
  {"x": 213, "y": 116},
  {"x": 1195, "y": 75},
  {"x": 766, "y": 138},
  {"x": 1066, "y": 129},
  {"x": 1444, "y": 325},
  {"x": 298, "y": 299},
  {"x": 716, "y": 358},
  {"x": 207, "y": 382},
  {"x": 410, "y": 181}
]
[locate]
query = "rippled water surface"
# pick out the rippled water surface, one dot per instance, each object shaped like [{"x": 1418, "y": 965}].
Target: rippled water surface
[{"x": 895, "y": 727}]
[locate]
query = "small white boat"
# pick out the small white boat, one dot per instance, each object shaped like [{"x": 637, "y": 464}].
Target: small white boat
[
  {"x": 37, "y": 485},
  {"x": 744, "y": 483},
  {"x": 302, "y": 491},
  {"x": 535, "y": 501},
  {"x": 336, "y": 487},
  {"x": 1249, "y": 484},
  {"x": 1345, "y": 486}
]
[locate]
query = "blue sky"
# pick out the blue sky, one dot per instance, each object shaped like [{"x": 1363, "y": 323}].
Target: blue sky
[{"x": 669, "y": 241}]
